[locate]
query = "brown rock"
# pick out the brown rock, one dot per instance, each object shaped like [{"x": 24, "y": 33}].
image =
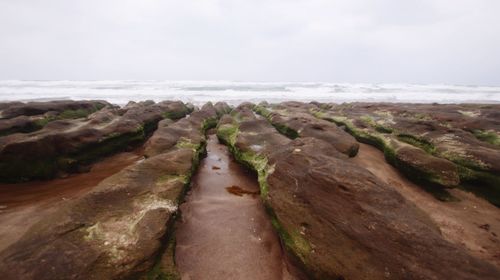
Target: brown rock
[
  {"x": 337, "y": 219},
  {"x": 116, "y": 230},
  {"x": 293, "y": 119},
  {"x": 62, "y": 145}
]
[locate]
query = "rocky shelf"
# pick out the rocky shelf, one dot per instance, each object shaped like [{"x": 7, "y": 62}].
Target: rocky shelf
[{"x": 293, "y": 190}]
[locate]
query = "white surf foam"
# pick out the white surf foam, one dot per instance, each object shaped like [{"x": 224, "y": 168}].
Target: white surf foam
[{"x": 199, "y": 92}]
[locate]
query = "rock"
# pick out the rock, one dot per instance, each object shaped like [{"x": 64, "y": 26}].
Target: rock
[
  {"x": 4, "y": 105},
  {"x": 335, "y": 218},
  {"x": 418, "y": 164},
  {"x": 171, "y": 133},
  {"x": 29, "y": 117},
  {"x": 63, "y": 145},
  {"x": 293, "y": 119},
  {"x": 65, "y": 108},
  {"x": 465, "y": 135},
  {"x": 412, "y": 162},
  {"x": 222, "y": 108},
  {"x": 174, "y": 110},
  {"x": 116, "y": 230},
  {"x": 18, "y": 124}
]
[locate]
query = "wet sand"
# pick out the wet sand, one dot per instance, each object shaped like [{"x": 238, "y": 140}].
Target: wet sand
[
  {"x": 224, "y": 232},
  {"x": 471, "y": 221},
  {"x": 22, "y": 205}
]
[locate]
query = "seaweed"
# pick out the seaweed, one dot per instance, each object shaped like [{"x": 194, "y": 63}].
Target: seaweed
[
  {"x": 417, "y": 142},
  {"x": 285, "y": 130},
  {"x": 488, "y": 136},
  {"x": 282, "y": 128},
  {"x": 482, "y": 183},
  {"x": 428, "y": 180}
]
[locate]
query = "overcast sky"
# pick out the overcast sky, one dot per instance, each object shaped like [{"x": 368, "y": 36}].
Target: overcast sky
[{"x": 414, "y": 41}]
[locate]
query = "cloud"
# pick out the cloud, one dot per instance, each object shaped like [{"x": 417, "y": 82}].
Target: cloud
[{"x": 418, "y": 41}]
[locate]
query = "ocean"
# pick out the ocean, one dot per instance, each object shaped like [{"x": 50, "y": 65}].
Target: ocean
[{"x": 199, "y": 92}]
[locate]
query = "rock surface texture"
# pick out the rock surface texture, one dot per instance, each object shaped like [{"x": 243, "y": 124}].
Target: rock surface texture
[
  {"x": 117, "y": 229},
  {"x": 336, "y": 219},
  {"x": 69, "y": 136},
  {"x": 293, "y": 120},
  {"x": 443, "y": 145},
  {"x": 334, "y": 208}
]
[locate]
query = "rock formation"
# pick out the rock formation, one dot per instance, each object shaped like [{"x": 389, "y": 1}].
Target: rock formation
[{"x": 335, "y": 218}]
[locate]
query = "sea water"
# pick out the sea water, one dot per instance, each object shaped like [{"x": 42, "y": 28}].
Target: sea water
[{"x": 199, "y": 92}]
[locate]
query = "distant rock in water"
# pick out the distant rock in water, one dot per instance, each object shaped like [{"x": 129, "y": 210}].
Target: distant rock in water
[{"x": 335, "y": 218}]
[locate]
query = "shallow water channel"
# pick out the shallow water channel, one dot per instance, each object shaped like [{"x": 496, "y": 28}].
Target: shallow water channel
[{"x": 224, "y": 232}]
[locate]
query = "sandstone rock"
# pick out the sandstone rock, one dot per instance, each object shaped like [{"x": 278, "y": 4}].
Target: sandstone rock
[
  {"x": 29, "y": 117},
  {"x": 335, "y": 218},
  {"x": 412, "y": 162},
  {"x": 465, "y": 135},
  {"x": 181, "y": 132},
  {"x": 62, "y": 107},
  {"x": 115, "y": 231},
  {"x": 222, "y": 108},
  {"x": 293, "y": 119},
  {"x": 63, "y": 145}
]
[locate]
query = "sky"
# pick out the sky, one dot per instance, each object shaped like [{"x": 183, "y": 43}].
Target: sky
[{"x": 369, "y": 41}]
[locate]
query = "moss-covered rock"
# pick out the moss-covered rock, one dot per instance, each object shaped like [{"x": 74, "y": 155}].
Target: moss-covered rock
[
  {"x": 14, "y": 123},
  {"x": 123, "y": 228},
  {"x": 65, "y": 143},
  {"x": 293, "y": 120},
  {"x": 335, "y": 219},
  {"x": 65, "y": 109},
  {"x": 463, "y": 134},
  {"x": 406, "y": 152}
]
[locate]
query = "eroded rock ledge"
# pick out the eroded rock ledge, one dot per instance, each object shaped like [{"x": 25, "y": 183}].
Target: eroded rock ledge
[
  {"x": 336, "y": 219},
  {"x": 443, "y": 145},
  {"x": 70, "y": 134},
  {"x": 116, "y": 230}
]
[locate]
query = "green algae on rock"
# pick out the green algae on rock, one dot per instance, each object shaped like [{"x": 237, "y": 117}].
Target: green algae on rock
[
  {"x": 65, "y": 144},
  {"x": 293, "y": 120},
  {"x": 115, "y": 231},
  {"x": 42, "y": 113},
  {"x": 407, "y": 157},
  {"x": 335, "y": 219},
  {"x": 453, "y": 133},
  {"x": 312, "y": 192}
]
